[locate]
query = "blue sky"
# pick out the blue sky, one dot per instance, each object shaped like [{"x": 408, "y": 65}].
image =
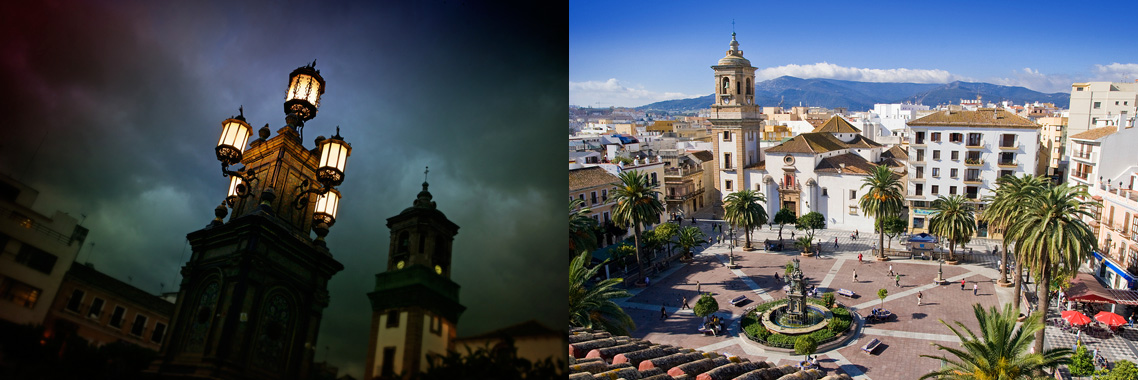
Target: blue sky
[{"x": 631, "y": 53}]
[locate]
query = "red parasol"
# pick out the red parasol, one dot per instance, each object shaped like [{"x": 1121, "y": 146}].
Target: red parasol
[
  {"x": 1112, "y": 319},
  {"x": 1075, "y": 318}
]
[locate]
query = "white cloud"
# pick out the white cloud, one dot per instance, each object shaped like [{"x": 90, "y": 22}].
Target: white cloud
[
  {"x": 832, "y": 71},
  {"x": 1118, "y": 72},
  {"x": 1035, "y": 80},
  {"x": 612, "y": 93}
]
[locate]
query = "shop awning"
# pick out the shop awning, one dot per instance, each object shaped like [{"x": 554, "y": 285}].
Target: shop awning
[{"x": 1085, "y": 288}]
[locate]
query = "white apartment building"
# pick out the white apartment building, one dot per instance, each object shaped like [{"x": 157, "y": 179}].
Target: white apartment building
[
  {"x": 1110, "y": 181},
  {"x": 1098, "y": 104},
  {"x": 963, "y": 153},
  {"x": 35, "y": 252}
]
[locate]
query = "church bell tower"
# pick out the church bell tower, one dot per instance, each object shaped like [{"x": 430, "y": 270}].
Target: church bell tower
[
  {"x": 736, "y": 121},
  {"x": 415, "y": 304}
]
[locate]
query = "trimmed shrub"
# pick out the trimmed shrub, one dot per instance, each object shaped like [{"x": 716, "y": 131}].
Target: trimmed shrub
[
  {"x": 805, "y": 345},
  {"x": 828, "y": 299},
  {"x": 705, "y": 306},
  {"x": 1081, "y": 362}
]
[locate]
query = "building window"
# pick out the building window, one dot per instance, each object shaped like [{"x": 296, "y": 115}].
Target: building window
[
  {"x": 936, "y": 155},
  {"x": 920, "y": 138},
  {"x": 727, "y": 160},
  {"x": 918, "y": 222},
  {"x": 654, "y": 180},
  {"x": 36, "y": 258},
  {"x": 934, "y": 190},
  {"x": 920, "y": 155},
  {"x": 919, "y": 189},
  {"x": 955, "y": 155},
  {"x": 952, "y": 190},
  {"x": 606, "y": 214},
  {"x": 96, "y": 309},
  {"x": 920, "y": 172},
  {"x": 936, "y": 172},
  {"x": 853, "y": 209},
  {"x": 139, "y": 325},
  {"x": 853, "y": 194},
  {"x": 436, "y": 325},
  {"x": 952, "y": 173},
  {"x": 392, "y": 319},
  {"x": 975, "y": 139},
  {"x": 604, "y": 196},
  {"x": 726, "y": 136},
  {"x": 19, "y": 293},
  {"x": 824, "y": 194},
  {"x": 935, "y": 137},
  {"x": 1005, "y": 173},
  {"x": 593, "y": 197},
  {"x": 159, "y": 332},
  {"x": 727, "y": 185},
  {"x": 956, "y": 137},
  {"x": 388, "y": 368},
  {"x": 117, "y": 316},
  {"x": 75, "y": 302},
  {"x": 1097, "y": 105}
]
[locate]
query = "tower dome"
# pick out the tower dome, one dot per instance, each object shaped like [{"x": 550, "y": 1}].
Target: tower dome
[{"x": 734, "y": 55}]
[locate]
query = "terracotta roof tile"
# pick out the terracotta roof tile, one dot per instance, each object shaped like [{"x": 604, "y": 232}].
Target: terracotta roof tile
[
  {"x": 703, "y": 155},
  {"x": 1095, "y": 134},
  {"x": 897, "y": 152},
  {"x": 984, "y": 117},
  {"x": 837, "y": 124},
  {"x": 821, "y": 142},
  {"x": 854, "y": 164},
  {"x": 585, "y": 178},
  {"x": 761, "y": 165}
]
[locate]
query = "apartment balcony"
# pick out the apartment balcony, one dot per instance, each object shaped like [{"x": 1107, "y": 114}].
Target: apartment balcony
[
  {"x": 917, "y": 142},
  {"x": 917, "y": 161},
  {"x": 680, "y": 172},
  {"x": 917, "y": 179},
  {"x": 1120, "y": 195},
  {"x": 684, "y": 197},
  {"x": 1080, "y": 175},
  {"x": 975, "y": 145},
  {"x": 1012, "y": 146},
  {"x": 973, "y": 162},
  {"x": 1088, "y": 157},
  {"x": 1007, "y": 163},
  {"x": 975, "y": 197},
  {"x": 973, "y": 181}
]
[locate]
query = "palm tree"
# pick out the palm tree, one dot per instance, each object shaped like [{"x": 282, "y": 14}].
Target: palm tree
[
  {"x": 742, "y": 209},
  {"x": 1010, "y": 200},
  {"x": 581, "y": 227},
  {"x": 955, "y": 220},
  {"x": 691, "y": 237},
  {"x": 637, "y": 203},
  {"x": 883, "y": 199},
  {"x": 1050, "y": 234},
  {"x": 593, "y": 307},
  {"x": 1001, "y": 352}
]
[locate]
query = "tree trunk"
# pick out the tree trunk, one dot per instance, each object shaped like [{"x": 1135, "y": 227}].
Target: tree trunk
[
  {"x": 748, "y": 246},
  {"x": 1018, "y": 283},
  {"x": 951, "y": 251},
  {"x": 1043, "y": 294},
  {"x": 780, "y": 232},
  {"x": 881, "y": 243},
  {"x": 636, "y": 242},
  {"x": 1004, "y": 265}
]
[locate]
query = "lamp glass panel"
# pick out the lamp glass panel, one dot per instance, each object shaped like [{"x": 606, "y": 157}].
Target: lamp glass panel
[
  {"x": 334, "y": 154},
  {"x": 233, "y": 182},
  {"x": 235, "y": 134},
  {"x": 304, "y": 87},
  {"x": 328, "y": 204}
]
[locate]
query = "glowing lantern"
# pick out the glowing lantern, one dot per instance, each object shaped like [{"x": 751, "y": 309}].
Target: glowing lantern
[
  {"x": 334, "y": 154},
  {"x": 326, "y": 207},
  {"x": 234, "y": 137},
  {"x": 305, "y": 86}
]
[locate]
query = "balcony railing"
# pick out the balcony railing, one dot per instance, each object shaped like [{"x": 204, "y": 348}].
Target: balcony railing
[
  {"x": 1083, "y": 155},
  {"x": 973, "y": 162},
  {"x": 918, "y": 142},
  {"x": 1124, "y": 194},
  {"x": 1012, "y": 146},
  {"x": 1007, "y": 163},
  {"x": 975, "y": 144},
  {"x": 30, "y": 223},
  {"x": 1080, "y": 175},
  {"x": 682, "y": 171},
  {"x": 973, "y": 180}
]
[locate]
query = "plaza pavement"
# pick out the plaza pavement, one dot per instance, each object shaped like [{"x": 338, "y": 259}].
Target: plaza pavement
[{"x": 904, "y": 339}]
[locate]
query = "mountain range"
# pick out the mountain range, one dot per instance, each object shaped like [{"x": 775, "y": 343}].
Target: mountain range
[{"x": 861, "y": 96}]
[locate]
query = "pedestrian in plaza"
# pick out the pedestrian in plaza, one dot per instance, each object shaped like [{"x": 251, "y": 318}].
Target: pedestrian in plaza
[
  {"x": 855, "y": 275},
  {"x": 776, "y": 277},
  {"x": 663, "y": 313},
  {"x": 897, "y": 280},
  {"x": 857, "y": 234},
  {"x": 891, "y": 269},
  {"x": 835, "y": 243},
  {"x": 859, "y": 258},
  {"x": 792, "y": 234},
  {"x": 697, "y": 288},
  {"x": 685, "y": 304},
  {"x": 975, "y": 288},
  {"x": 961, "y": 284},
  {"x": 919, "y": 297}
]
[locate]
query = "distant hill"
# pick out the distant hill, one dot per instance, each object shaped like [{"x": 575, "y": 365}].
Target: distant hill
[{"x": 861, "y": 96}]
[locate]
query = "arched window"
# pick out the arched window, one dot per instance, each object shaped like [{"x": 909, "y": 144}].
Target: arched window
[
  {"x": 404, "y": 243},
  {"x": 737, "y": 88},
  {"x": 202, "y": 317},
  {"x": 275, "y": 330},
  {"x": 726, "y": 85},
  {"x": 750, "y": 88}
]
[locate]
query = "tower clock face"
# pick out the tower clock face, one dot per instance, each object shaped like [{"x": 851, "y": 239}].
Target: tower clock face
[
  {"x": 399, "y": 265},
  {"x": 438, "y": 269}
]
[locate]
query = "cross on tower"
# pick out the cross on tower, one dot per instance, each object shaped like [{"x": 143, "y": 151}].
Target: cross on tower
[{"x": 428, "y": 170}]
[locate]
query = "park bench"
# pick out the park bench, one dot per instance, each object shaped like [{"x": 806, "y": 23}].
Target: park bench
[
  {"x": 846, "y": 292},
  {"x": 738, "y": 300},
  {"x": 872, "y": 345}
]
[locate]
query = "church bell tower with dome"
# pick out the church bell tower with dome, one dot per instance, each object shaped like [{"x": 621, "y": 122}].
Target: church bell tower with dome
[
  {"x": 415, "y": 306},
  {"x": 736, "y": 121}
]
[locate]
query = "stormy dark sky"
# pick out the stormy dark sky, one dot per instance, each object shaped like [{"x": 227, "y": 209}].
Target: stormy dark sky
[{"x": 112, "y": 109}]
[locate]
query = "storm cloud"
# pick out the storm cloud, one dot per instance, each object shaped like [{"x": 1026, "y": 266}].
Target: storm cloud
[{"x": 112, "y": 110}]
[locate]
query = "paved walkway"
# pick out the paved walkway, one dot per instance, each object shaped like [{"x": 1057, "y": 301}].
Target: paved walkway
[{"x": 903, "y": 340}]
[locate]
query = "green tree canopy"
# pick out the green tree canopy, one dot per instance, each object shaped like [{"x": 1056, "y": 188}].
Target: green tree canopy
[
  {"x": 882, "y": 294},
  {"x": 743, "y": 209},
  {"x": 891, "y": 226},
  {"x": 593, "y": 306},
  {"x": 705, "y": 306},
  {"x": 811, "y": 221},
  {"x": 691, "y": 237},
  {"x": 1012, "y": 199},
  {"x": 783, "y": 217},
  {"x": 1000, "y": 352},
  {"x": 883, "y": 197},
  {"x": 637, "y": 204},
  {"x": 955, "y": 221},
  {"x": 805, "y": 345}
]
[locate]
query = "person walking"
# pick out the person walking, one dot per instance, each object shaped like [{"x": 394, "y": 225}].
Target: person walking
[
  {"x": 855, "y": 275},
  {"x": 792, "y": 234},
  {"x": 697, "y": 288},
  {"x": 975, "y": 288},
  {"x": 919, "y": 297},
  {"x": 859, "y": 258},
  {"x": 835, "y": 243},
  {"x": 962, "y": 284},
  {"x": 897, "y": 280},
  {"x": 891, "y": 269},
  {"x": 776, "y": 280},
  {"x": 663, "y": 313},
  {"x": 685, "y": 304}
]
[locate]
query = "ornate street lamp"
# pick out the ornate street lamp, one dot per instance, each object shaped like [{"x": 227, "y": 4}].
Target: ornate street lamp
[
  {"x": 325, "y": 214},
  {"x": 305, "y": 86},
  {"x": 939, "y": 271},
  {"x": 230, "y": 147},
  {"x": 334, "y": 154}
]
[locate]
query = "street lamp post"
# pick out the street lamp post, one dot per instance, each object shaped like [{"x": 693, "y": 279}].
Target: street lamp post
[{"x": 939, "y": 271}]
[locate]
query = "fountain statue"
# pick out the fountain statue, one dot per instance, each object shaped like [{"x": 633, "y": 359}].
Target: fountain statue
[{"x": 796, "y": 295}]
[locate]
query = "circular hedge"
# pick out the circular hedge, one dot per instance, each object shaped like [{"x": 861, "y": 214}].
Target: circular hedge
[{"x": 755, "y": 330}]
